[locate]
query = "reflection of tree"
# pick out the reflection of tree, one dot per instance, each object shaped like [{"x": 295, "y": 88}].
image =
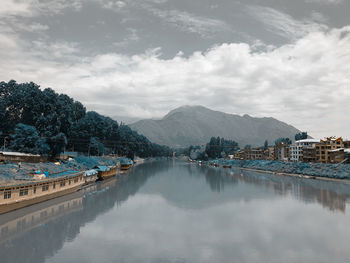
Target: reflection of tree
[
  {"x": 49, "y": 237},
  {"x": 46, "y": 239},
  {"x": 330, "y": 194}
]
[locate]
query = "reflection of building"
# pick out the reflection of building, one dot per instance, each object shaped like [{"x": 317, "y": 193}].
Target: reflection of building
[
  {"x": 331, "y": 195},
  {"x": 25, "y": 221}
]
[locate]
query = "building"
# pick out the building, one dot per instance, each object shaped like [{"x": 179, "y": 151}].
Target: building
[
  {"x": 21, "y": 157},
  {"x": 336, "y": 155},
  {"x": 309, "y": 155},
  {"x": 296, "y": 153},
  {"x": 281, "y": 152},
  {"x": 254, "y": 154},
  {"x": 304, "y": 151},
  {"x": 346, "y": 144},
  {"x": 324, "y": 147}
]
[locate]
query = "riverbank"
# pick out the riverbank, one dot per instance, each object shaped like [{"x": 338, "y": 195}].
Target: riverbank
[{"x": 338, "y": 172}]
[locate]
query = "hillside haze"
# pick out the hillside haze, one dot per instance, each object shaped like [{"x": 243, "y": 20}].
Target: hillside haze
[{"x": 195, "y": 125}]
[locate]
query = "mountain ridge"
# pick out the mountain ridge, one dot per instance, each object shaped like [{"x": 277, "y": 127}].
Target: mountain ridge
[{"x": 195, "y": 125}]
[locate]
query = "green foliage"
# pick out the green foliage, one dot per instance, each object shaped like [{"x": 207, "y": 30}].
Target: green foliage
[
  {"x": 26, "y": 139},
  {"x": 220, "y": 147},
  {"x": 286, "y": 141},
  {"x": 62, "y": 123},
  {"x": 301, "y": 136},
  {"x": 266, "y": 144}
]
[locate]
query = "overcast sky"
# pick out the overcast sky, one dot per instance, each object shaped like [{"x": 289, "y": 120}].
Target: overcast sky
[{"x": 141, "y": 58}]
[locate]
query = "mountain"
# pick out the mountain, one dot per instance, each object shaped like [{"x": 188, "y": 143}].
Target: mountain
[{"x": 195, "y": 125}]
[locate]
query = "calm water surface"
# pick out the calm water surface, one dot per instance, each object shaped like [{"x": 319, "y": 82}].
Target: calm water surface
[{"x": 179, "y": 212}]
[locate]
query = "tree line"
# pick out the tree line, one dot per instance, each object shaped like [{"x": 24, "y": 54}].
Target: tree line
[{"x": 45, "y": 122}]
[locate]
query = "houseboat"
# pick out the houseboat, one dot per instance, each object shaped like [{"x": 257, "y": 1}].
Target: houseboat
[
  {"x": 90, "y": 176},
  {"x": 21, "y": 193},
  {"x": 104, "y": 172},
  {"x": 125, "y": 164}
]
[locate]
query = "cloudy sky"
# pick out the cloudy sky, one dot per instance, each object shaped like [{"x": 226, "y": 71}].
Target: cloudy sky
[{"x": 141, "y": 58}]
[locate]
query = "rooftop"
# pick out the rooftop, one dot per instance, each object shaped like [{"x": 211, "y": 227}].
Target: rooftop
[
  {"x": 308, "y": 141},
  {"x": 19, "y": 154}
]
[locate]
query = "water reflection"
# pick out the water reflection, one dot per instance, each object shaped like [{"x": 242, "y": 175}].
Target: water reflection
[
  {"x": 37, "y": 233},
  {"x": 332, "y": 195}
]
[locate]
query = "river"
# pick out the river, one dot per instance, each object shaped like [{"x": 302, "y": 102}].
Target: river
[{"x": 171, "y": 211}]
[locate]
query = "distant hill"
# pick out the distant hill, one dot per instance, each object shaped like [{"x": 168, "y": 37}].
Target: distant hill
[{"x": 195, "y": 125}]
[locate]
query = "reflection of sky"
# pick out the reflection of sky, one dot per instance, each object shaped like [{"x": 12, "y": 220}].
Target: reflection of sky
[
  {"x": 177, "y": 212},
  {"x": 250, "y": 219},
  {"x": 147, "y": 228}
]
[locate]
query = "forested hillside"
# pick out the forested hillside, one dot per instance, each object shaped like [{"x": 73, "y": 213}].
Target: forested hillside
[{"x": 41, "y": 121}]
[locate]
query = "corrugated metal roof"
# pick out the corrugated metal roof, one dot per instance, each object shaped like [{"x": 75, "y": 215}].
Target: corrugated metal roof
[{"x": 102, "y": 168}]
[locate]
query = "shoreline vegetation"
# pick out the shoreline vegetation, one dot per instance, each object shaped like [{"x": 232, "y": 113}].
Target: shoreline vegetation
[
  {"x": 319, "y": 171},
  {"x": 41, "y": 121}
]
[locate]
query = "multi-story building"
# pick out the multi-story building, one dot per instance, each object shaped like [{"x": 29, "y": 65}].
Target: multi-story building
[
  {"x": 303, "y": 148},
  {"x": 336, "y": 156},
  {"x": 309, "y": 155},
  {"x": 325, "y": 146},
  {"x": 253, "y": 154},
  {"x": 346, "y": 144},
  {"x": 281, "y": 152},
  {"x": 269, "y": 153}
]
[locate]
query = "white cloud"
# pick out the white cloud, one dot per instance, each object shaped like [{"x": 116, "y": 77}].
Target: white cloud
[
  {"x": 30, "y": 8},
  {"x": 305, "y": 83},
  {"x": 283, "y": 24}
]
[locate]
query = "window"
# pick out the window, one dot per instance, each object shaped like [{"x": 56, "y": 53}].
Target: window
[
  {"x": 76, "y": 180},
  {"x": 23, "y": 192},
  {"x": 34, "y": 190},
  {"x": 7, "y": 194},
  {"x": 63, "y": 183},
  {"x": 45, "y": 187},
  {"x": 70, "y": 182},
  {"x": 54, "y": 186}
]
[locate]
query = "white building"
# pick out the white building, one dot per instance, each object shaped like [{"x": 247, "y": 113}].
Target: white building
[{"x": 296, "y": 151}]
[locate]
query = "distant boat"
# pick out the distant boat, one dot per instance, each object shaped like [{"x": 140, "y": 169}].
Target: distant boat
[
  {"x": 125, "y": 164},
  {"x": 105, "y": 172}
]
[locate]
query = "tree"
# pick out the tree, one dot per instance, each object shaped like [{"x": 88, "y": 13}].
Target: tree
[
  {"x": 65, "y": 123},
  {"x": 266, "y": 144},
  {"x": 57, "y": 144},
  {"x": 26, "y": 139},
  {"x": 96, "y": 147},
  {"x": 286, "y": 141},
  {"x": 301, "y": 136},
  {"x": 219, "y": 147}
]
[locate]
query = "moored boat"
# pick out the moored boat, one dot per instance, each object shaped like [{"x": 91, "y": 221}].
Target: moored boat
[
  {"x": 21, "y": 193},
  {"x": 125, "y": 164},
  {"x": 90, "y": 176},
  {"x": 104, "y": 172}
]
